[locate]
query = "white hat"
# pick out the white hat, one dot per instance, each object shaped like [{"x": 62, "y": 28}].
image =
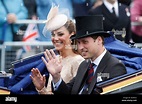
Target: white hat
[{"x": 55, "y": 20}]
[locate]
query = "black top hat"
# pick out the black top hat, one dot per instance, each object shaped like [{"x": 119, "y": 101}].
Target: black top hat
[{"x": 88, "y": 26}]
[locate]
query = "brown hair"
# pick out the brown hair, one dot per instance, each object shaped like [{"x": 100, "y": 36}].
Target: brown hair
[
  {"x": 95, "y": 37},
  {"x": 70, "y": 26}
]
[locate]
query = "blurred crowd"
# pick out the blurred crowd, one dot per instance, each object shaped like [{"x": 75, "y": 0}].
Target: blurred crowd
[{"x": 126, "y": 13}]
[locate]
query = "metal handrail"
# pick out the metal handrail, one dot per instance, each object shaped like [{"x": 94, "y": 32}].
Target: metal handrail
[
  {"x": 5, "y": 44},
  {"x": 28, "y": 21},
  {"x": 136, "y": 23}
]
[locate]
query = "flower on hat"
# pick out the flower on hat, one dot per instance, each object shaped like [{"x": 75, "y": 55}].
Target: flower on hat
[{"x": 55, "y": 19}]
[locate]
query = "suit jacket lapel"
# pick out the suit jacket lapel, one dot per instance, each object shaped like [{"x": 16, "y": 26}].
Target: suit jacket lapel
[
  {"x": 80, "y": 76},
  {"x": 99, "y": 69}
]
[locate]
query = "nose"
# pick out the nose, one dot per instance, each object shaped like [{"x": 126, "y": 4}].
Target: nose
[{"x": 55, "y": 37}]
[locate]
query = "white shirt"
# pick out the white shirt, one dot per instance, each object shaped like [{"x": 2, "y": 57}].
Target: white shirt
[
  {"x": 98, "y": 59},
  {"x": 109, "y": 7}
]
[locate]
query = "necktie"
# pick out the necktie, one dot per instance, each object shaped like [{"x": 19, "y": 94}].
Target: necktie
[
  {"x": 90, "y": 73},
  {"x": 113, "y": 9},
  {"x": 89, "y": 78}
]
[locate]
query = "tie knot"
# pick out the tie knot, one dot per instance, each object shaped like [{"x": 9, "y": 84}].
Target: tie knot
[
  {"x": 113, "y": 12},
  {"x": 112, "y": 8},
  {"x": 91, "y": 65}
]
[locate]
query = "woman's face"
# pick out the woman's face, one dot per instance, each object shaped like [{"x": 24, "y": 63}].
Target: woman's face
[{"x": 61, "y": 38}]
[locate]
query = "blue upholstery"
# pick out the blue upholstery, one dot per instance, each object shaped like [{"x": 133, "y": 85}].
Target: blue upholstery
[
  {"x": 20, "y": 82},
  {"x": 130, "y": 56}
]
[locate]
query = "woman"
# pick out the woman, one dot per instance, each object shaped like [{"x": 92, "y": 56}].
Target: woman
[{"x": 62, "y": 29}]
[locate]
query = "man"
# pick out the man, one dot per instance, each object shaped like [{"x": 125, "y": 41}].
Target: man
[
  {"x": 116, "y": 17},
  {"x": 90, "y": 43}
]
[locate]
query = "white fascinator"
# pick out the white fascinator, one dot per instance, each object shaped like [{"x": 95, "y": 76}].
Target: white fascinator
[{"x": 54, "y": 20}]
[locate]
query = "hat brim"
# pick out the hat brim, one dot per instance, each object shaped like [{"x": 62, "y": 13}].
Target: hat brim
[{"x": 100, "y": 33}]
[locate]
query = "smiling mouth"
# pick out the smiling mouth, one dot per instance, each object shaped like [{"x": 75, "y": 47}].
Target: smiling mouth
[
  {"x": 57, "y": 43},
  {"x": 84, "y": 53}
]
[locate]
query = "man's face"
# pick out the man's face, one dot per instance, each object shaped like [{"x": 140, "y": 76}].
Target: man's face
[{"x": 88, "y": 47}]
